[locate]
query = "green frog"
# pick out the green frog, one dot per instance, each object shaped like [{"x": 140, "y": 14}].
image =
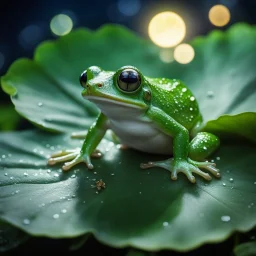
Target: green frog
[{"x": 154, "y": 115}]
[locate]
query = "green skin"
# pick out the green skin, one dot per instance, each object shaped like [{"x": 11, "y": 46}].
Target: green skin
[{"x": 163, "y": 108}]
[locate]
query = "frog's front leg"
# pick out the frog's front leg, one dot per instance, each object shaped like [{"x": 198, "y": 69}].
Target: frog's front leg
[
  {"x": 88, "y": 150},
  {"x": 200, "y": 147}
]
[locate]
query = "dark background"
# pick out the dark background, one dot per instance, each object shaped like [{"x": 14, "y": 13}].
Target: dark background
[{"x": 24, "y": 24}]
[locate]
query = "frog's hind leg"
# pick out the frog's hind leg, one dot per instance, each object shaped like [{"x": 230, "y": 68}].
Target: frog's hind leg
[{"x": 201, "y": 147}]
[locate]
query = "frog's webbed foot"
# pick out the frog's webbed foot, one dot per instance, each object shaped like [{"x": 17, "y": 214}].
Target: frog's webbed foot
[
  {"x": 75, "y": 156},
  {"x": 188, "y": 167}
]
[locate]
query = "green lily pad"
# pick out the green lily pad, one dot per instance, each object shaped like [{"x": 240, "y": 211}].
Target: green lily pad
[
  {"x": 46, "y": 90},
  {"x": 229, "y": 127},
  {"x": 144, "y": 209}
]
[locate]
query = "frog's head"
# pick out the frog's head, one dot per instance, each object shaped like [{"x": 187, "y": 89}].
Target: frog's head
[{"x": 126, "y": 87}]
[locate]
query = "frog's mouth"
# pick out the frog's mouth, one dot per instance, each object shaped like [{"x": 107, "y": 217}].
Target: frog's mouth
[{"x": 108, "y": 100}]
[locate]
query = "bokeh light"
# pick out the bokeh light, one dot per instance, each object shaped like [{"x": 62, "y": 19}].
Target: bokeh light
[
  {"x": 184, "y": 53},
  {"x": 166, "y": 55},
  {"x": 30, "y": 36},
  {"x": 219, "y": 15},
  {"x": 129, "y": 8},
  {"x": 167, "y": 29},
  {"x": 61, "y": 24}
]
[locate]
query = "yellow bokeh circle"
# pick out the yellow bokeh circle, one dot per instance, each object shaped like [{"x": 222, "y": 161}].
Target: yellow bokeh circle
[
  {"x": 184, "y": 53},
  {"x": 219, "y": 15},
  {"x": 167, "y": 29}
]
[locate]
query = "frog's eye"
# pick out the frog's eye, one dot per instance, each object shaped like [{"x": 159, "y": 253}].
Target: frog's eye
[
  {"x": 129, "y": 80},
  {"x": 83, "y": 78}
]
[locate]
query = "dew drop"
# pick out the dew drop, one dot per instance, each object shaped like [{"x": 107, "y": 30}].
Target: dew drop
[
  {"x": 218, "y": 158},
  {"x": 210, "y": 94},
  {"x": 184, "y": 89},
  {"x": 25, "y": 174},
  {"x": 192, "y": 98},
  {"x": 49, "y": 171},
  {"x": 73, "y": 176},
  {"x": 56, "y": 175},
  {"x": 26, "y": 221},
  {"x": 56, "y": 216},
  {"x": 225, "y": 218},
  {"x": 205, "y": 148},
  {"x": 6, "y": 174},
  {"x": 11, "y": 178},
  {"x": 39, "y": 104},
  {"x": 231, "y": 179},
  {"x": 165, "y": 224},
  {"x": 112, "y": 174},
  {"x": 224, "y": 184},
  {"x": 3, "y": 156},
  {"x": 191, "y": 109},
  {"x": 254, "y": 183},
  {"x": 63, "y": 210}
]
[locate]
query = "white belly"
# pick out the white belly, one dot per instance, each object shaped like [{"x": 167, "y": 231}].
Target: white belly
[
  {"x": 142, "y": 135},
  {"x": 133, "y": 129}
]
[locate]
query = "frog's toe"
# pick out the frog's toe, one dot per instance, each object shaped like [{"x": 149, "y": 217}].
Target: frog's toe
[
  {"x": 77, "y": 160},
  {"x": 64, "y": 152},
  {"x": 79, "y": 135},
  {"x": 58, "y": 158},
  {"x": 209, "y": 167}
]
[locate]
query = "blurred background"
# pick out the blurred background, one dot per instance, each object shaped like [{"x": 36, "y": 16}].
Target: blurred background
[{"x": 170, "y": 24}]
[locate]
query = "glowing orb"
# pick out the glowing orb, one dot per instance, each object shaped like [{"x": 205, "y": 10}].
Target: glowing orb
[
  {"x": 219, "y": 15},
  {"x": 167, "y": 29},
  {"x": 61, "y": 24},
  {"x": 184, "y": 53}
]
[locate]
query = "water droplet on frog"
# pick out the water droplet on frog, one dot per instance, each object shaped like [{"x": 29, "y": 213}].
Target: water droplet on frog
[
  {"x": 191, "y": 109},
  {"x": 56, "y": 216},
  {"x": 39, "y": 104},
  {"x": 56, "y": 175},
  {"x": 218, "y": 158},
  {"x": 205, "y": 148},
  {"x": 17, "y": 191},
  {"x": 210, "y": 94},
  {"x": 231, "y": 179},
  {"x": 25, "y": 174},
  {"x": 192, "y": 98},
  {"x": 225, "y": 218},
  {"x": 9, "y": 155},
  {"x": 11, "y": 178},
  {"x": 224, "y": 184},
  {"x": 165, "y": 224},
  {"x": 63, "y": 210},
  {"x": 94, "y": 172},
  {"x": 48, "y": 171},
  {"x": 254, "y": 183},
  {"x": 26, "y": 221},
  {"x": 73, "y": 176},
  {"x": 6, "y": 174},
  {"x": 112, "y": 174},
  {"x": 3, "y": 156}
]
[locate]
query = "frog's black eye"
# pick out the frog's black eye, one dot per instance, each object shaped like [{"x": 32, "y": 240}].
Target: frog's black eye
[
  {"x": 83, "y": 78},
  {"x": 129, "y": 80}
]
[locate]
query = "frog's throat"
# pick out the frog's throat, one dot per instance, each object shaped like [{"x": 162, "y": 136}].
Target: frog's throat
[{"x": 113, "y": 100}]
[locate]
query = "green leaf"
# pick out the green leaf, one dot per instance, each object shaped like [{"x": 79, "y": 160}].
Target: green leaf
[
  {"x": 224, "y": 65},
  {"x": 245, "y": 249},
  {"x": 138, "y": 208},
  {"x": 234, "y": 127},
  {"x": 8, "y": 118}
]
